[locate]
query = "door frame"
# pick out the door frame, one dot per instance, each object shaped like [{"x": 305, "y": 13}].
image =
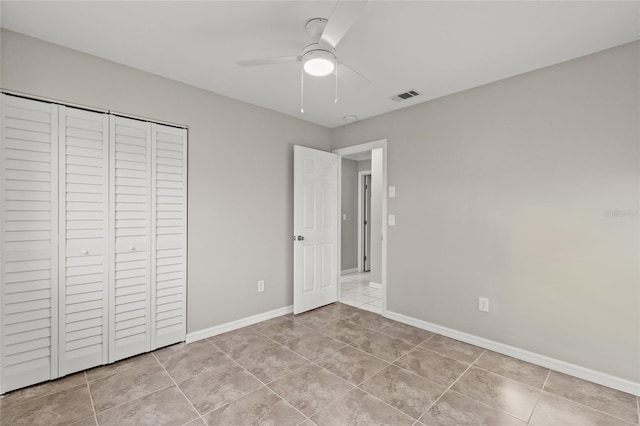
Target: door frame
[
  {"x": 354, "y": 149},
  {"x": 361, "y": 175}
]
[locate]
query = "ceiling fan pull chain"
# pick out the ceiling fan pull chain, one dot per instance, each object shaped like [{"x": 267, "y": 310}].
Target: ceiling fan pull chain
[
  {"x": 302, "y": 90},
  {"x": 335, "y": 101}
]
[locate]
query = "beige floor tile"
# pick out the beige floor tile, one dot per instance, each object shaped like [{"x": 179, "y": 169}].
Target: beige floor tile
[
  {"x": 555, "y": 411},
  {"x": 242, "y": 342},
  {"x": 314, "y": 319},
  {"x": 167, "y": 407},
  {"x": 196, "y": 422},
  {"x": 383, "y": 346},
  {"x": 454, "y": 409},
  {"x": 359, "y": 408},
  {"x": 338, "y": 310},
  {"x": 212, "y": 389},
  {"x": 618, "y": 404},
  {"x": 43, "y": 389},
  {"x": 367, "y": 319},
  {"x": 345, "y": 331},
  {"x": 128, "y": 385},
  {"x": 453, "y": 348},
  {"x": 524, "y": 372},
  {"x": 314, "y": 345},
  {"x": 282, "y": 333},
  {"x": 403, "y": 390},
  {"x": 405, "y": 332},
  {"x": 89, "y": 421},
  {"x": 61, "y": 408},
  {"x": 352, "y": 364},
  {"x": 272, "y": 363},
  {"x": 119, "y": 366},
  {"x": 432, "y": 366},
  {"x": 187, "y": 360},
  {"x": 261, "y": 407},
  {"x": 310, "y": 389},
  {"x": 498, "y": 392}
]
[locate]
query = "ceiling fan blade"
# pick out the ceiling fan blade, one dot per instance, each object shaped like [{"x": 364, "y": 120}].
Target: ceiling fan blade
[
  {"x": 268, "y": 61},
  {"x": 343, "y": 16},
  {"x": 351, "y": 76}
]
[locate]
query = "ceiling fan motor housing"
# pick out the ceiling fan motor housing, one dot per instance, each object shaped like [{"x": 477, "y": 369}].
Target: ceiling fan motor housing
[{"x": 317, "y": 51}]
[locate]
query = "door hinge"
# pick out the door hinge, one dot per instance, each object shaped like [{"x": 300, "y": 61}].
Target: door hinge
[
  {"x": 365, "y": 258},
  {"x": 365, "y": 222}
]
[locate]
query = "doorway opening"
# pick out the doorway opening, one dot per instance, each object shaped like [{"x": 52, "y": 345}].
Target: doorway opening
[{"x": 362, "y": 208}]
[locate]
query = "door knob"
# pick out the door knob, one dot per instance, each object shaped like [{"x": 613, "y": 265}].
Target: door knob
[
  {"x": 85, "y": 251},
  {"x": 132, "y": 248},
  {"x": 300, "y": 238}
]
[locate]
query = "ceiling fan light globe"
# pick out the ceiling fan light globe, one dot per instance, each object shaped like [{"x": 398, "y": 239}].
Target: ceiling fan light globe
[
  {"x": 319, "y": 67},
  {"x": 319, "y": 62}
]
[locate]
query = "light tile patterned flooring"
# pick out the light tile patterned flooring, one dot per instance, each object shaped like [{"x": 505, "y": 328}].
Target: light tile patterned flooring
[
  {"x": 355, "y": 291},
  {"x": 336, "y": 365}
]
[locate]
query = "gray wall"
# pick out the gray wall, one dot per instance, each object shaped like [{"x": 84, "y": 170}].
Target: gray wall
[
  {"x": 349, "y": 230},
  {"x": 503, "y": 192},
  {"x": 364, "y": 165},
  {"x": 240, "y": 171}
]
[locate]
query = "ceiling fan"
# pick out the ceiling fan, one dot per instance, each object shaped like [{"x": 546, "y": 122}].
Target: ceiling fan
[{"x": 318, "y": 56}]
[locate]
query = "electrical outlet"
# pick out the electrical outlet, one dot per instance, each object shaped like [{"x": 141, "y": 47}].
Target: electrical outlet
[
  {"x": 483, "y": 304},
  {"x": 260, "y": 286}
]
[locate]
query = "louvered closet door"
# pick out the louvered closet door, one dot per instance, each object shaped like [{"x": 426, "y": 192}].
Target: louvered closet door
[
  {"x": 84, "y": 202},
  {"x": 29, "y": 207},
  {"x": 169, "y": 267},
  {"x": 130, "y": 290}
]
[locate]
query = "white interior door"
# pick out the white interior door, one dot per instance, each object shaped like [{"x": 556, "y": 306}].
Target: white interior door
[
  {"x": 83, "y": 248},
  {"x": 315, "y": 213},
  {"x": 130, "y": 225},
  {"x": 169, "y": 236},
  {"x": 29, "y": 234}
]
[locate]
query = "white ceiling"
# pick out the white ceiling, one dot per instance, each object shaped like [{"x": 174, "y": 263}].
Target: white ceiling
[{"x": 438, "y": 48}]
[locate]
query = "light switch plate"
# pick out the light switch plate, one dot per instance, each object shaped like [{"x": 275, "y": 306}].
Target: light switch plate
[
  {"x": 344, "y": 216},
  {"x": 392, "y": 220},
  {"x": 392, "y": 192}
]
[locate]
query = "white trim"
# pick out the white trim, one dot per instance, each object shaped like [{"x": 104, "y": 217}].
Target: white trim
[
  {"x": 348, "y": 271},
  {"x": 375, "y": 285},
  {"x": 522, "y": 354},
  {"x": 88, "y": 108},
  {"x": 361, "y": 175},
  {"x": 234, "y": 325},
  {"x": 381, "y": 143}
]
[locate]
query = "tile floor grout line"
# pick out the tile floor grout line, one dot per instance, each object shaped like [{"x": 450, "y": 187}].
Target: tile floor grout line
[
  {"x": 539, "y": 397},
  {"x": 589, "y": 406},
  {"x": 266, "y": 385},
  {"x": 179, "y": 390},
  {"x": 450, "y": 386},
  {"x": 135, "y": 399},
  {"x": 93, "y": 407},
  {"x": 384, "y": 402}
]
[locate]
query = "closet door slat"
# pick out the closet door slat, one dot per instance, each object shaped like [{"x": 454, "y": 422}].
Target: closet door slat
[
  {"x": 29, "y": 240},
  {"x": 83, "y": 248},
  {"x": 169, "y": 236},
  {"x": 130, "y": 236}
]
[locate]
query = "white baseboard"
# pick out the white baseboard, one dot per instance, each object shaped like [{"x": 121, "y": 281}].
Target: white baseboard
[
  {"x": 524, "y": 355},
  {"x": 375, "y": 285},
  {"x": 234, "y": 325},
  {"x": 348, "y": 271}
]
